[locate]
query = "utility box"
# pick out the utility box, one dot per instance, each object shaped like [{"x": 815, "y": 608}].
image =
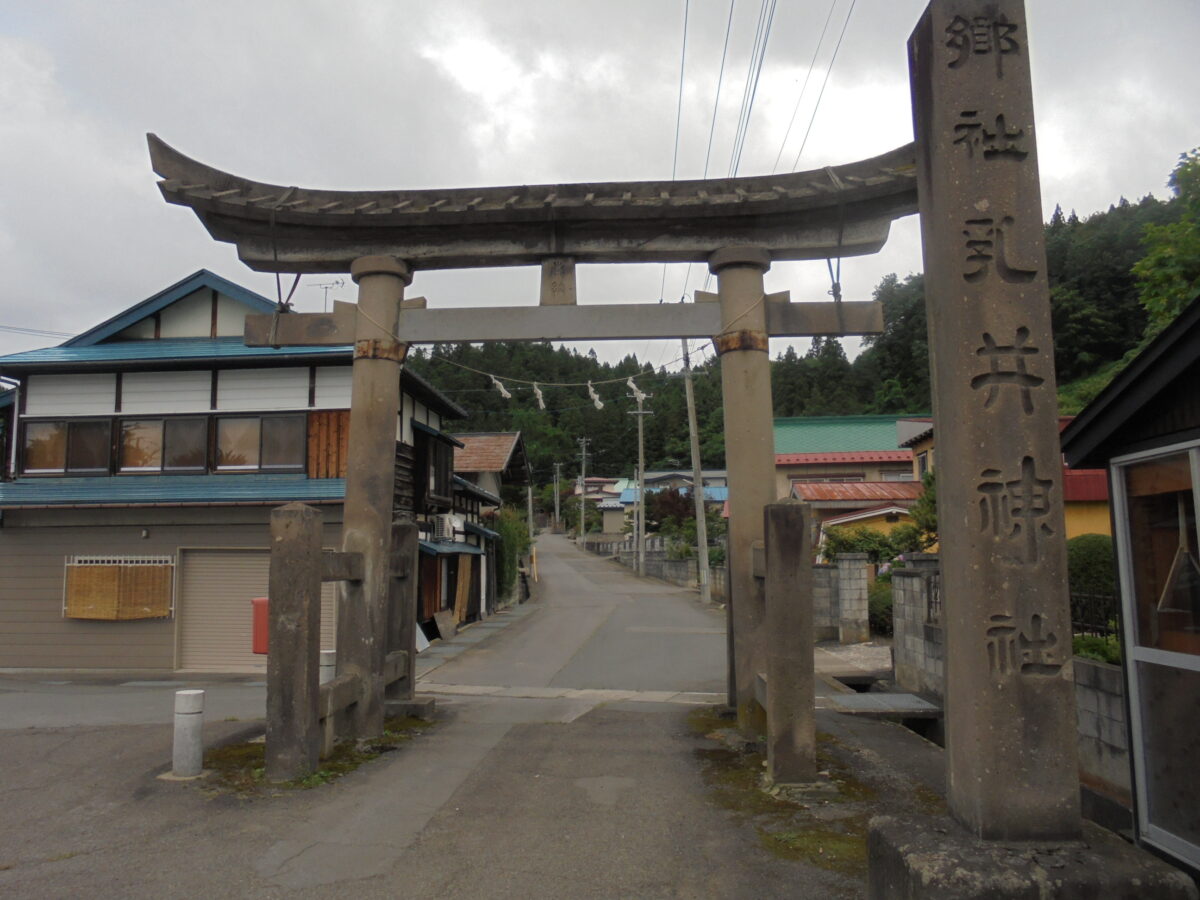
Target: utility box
[{"x": 260, "y": 625}]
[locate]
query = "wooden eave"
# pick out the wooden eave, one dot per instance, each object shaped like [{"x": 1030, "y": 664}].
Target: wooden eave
[{"x": 843, "y": 210}]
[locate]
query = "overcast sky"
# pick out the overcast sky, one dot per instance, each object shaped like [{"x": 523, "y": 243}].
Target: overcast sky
[{"x": 390, "y": 94}]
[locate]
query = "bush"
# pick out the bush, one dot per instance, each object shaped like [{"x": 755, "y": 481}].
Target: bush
[
  {"x": 1090, "y": 565},
  {"x": 1102, "y": 649},
  {"x": 876, "y": 544},
  {"x": 879, "y": 607},
  {"x": 513, "y": 544}
]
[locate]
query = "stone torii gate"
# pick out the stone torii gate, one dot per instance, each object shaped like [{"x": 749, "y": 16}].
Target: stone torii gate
[
  {"x": 736, "y": 226},
  {"x": 1010, "y": 732}
]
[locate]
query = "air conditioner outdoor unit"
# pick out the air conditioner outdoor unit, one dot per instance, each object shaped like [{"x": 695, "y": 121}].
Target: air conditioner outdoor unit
[{"x": 446, "y": 525}]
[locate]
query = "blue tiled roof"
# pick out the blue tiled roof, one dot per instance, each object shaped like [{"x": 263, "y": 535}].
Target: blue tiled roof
[
  {"x": 713, "y": 494},
  {"x": 169, "y": 490},
  {"x": 192, "y": 349}
]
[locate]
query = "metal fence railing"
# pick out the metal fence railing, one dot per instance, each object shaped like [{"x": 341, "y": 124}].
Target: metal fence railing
[{"x": 1095, "y": 614}]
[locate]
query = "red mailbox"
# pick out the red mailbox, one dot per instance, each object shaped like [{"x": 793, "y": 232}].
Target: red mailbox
[{"x": 261, "y": 625}]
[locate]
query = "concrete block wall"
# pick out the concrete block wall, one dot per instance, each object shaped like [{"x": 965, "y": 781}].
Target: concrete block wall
[
  {"x": 1103, "y": 741},
  {"x": 854, "y": 575},
  {"x": 825, "y": 606},
  {"x": 917, "y": 644}
]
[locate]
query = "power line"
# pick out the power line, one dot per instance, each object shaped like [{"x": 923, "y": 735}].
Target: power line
[
  {"x": 36, "y": 332},
  {"x": 758, "y": 55},
  {"x": 828, "y": 71},
  {"x": 804, "y": 87}
]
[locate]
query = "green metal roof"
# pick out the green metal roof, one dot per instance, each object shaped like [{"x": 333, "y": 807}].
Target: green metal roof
[
  {"x": 834, "y": 434},
  {"x": 440, "y": 548},
  {"x": 170, "y": 490}
]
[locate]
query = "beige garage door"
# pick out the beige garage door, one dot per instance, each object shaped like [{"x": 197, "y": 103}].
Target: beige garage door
[{"x": 214, "y": 611}]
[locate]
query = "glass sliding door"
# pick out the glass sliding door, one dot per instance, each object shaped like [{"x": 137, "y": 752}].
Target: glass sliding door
[{"x": 1156, "y": 495}]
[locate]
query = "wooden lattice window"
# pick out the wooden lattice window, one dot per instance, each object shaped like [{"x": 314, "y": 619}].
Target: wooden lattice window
[{"x": 118, "y": 588}]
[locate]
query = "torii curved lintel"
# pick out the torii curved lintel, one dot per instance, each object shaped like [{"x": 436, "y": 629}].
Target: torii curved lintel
[{"x": 837, "y": 211}]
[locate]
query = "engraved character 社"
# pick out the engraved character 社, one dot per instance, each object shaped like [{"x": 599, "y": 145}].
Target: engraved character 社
[
  {"x": 1002, "y": 645},
  {"x": 1012, "y": 509},
  {"x": 1002, "y": 141},
  {"x": 1015, "y": 374},
  {"x": 981, "y": 36},
  {"x": 986, "y": 247}
]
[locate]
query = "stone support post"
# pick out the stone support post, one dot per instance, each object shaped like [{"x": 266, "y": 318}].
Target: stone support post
[
  {"x": 750, "y": 459},
  {"x": 294, "y": 638},
  {"x": 1010, "y": 710},
  {"x": 402, "y": 607},
  {"x": 791, "y": 731},
  {"x": 374, "y": 416}
]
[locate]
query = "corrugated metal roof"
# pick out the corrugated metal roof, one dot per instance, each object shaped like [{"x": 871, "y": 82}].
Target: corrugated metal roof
[
  {"x": 170, "y": 490},
  {"x": 873, "y": 492},
  {"x": 860, "y": 514},
  {"x": 472, "y": 528},
  {"x": 853, "y": 456},
  {"x": 835, "y": 434},
  {"x": 171, "y": 349},
  {"x": 436, "y": 548},
  {"x": 472, "y": 488}
]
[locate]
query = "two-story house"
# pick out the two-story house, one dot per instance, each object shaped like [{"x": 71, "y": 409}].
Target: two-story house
[{"x": 141, "y": 462}]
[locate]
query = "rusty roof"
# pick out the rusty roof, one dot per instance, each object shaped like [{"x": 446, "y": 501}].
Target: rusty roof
[
  {"x": 865, "y": 492},
  {"x": 486, "y": 451},
  {"x": 854, "y": 456}
]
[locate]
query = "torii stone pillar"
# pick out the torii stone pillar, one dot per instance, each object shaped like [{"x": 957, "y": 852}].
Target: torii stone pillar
[
  {"x": 1010, "y": 708},
  {"x": 367, "y": 528},
  {"x": 750, "y": 458}
]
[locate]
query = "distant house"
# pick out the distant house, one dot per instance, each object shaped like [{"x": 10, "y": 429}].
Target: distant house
[
  {"x": 491, "y": 459},
  {"x": 839, "y": 449},
  {"x": 1144, "y": 428},
  {"x": 141, "y": 463}
]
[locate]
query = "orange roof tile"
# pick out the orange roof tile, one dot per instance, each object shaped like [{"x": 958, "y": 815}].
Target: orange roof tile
[
  {"x": 869, "y": 492},
  {"x": 485, "y": 451}
]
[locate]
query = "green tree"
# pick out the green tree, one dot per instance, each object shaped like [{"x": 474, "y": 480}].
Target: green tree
[
  {"x": 924, "y": 511},
  {"x": 1168, "y": 275}
]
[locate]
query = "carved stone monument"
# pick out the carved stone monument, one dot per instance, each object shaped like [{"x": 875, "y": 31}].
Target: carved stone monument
[{"x": 1012, "y": 776}]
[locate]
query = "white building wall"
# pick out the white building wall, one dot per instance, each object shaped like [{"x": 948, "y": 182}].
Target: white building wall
[
  {"x": 333, "y": 387},
  {"x": 188, "y": 317},
  {"x": 262, "y": 389},
  {"x": 231, "y": 317},
  {"x": 166, "y": 392},
  {"x": 71, "y": 395}
]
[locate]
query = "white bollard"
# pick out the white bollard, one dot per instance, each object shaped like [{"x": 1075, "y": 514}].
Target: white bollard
[
  {"x": 328, "y": 667},
  {"x": 187, "y": 759}
]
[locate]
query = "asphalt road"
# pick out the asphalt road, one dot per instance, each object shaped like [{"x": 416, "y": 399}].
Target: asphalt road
[{"x": 563, "y": 766}]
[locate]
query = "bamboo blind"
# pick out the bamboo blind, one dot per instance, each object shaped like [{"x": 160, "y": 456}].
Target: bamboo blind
[{"x": 118, "y": 588}]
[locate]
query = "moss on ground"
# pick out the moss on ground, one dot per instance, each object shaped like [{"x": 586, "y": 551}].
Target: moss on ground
[
  {"x": 825, "y": 827},
  {"x": 241, "y": 768}
]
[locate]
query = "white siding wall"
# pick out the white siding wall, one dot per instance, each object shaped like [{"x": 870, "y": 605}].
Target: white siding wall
[
  {"x": 71, "y": 395},
  {"x": 231, "y": 317},
  {"x": 189, "y": 317},
  {"x": 333, "y": 387},
  {"x": 139, "y": 331},
  {"x": 166, "y": 392},
  {"x": 260, "y": 389}
]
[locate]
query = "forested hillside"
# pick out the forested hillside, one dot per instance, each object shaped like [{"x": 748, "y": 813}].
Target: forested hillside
[{"x": 1116, "y": 278}]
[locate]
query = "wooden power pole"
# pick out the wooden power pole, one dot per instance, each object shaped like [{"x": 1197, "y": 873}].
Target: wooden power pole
[{"x": 697, "y": 481}]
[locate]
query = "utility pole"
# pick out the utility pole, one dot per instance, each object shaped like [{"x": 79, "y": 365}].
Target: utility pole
[
  {"x": 557, "y": 519},
  {"x": 529, "y": 498},
  {"x": 583, "y": 442},
  {"x": 641, "y": 473},
  {"x": 697, "y": 482}
]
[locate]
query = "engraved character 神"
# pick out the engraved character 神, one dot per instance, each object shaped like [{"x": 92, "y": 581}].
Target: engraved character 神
[{"x": 1012, "y": 509}]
